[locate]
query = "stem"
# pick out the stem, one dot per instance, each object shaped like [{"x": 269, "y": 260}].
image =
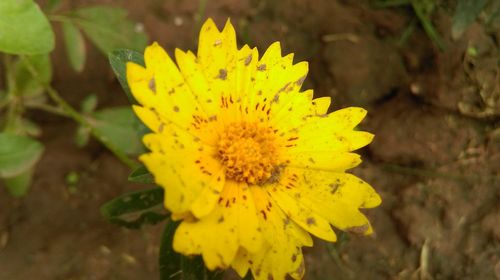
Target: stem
[
  {"x": 48, "y": 108},
  {"x": 10, "y": 98},
  {"x": 77, "y": 117}
]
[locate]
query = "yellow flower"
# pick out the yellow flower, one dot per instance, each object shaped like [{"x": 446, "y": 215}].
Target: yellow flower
[{"x": 249, "y": 163}]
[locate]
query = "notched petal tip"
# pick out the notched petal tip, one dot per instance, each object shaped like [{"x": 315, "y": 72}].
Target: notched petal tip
[
  {"x": 208, "y": 25},
  {"x": 272, "y": 52},
  {"x": 228, "y": 27}
]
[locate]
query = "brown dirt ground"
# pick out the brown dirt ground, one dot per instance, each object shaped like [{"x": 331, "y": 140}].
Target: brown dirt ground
[{"x": 435, "y": 159}]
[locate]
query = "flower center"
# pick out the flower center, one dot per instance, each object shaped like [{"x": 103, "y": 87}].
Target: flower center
[{"x": 249, "y": 152}]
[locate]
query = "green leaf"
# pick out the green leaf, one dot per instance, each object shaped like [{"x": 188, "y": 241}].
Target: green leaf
[
  {"x": 31, "y": 128},
  {"x": 135, "y": 209},
  {"x": 24, "y": 29},
  {"x": 89, "y": 104},
  {"x": 169, "y": 260},
  {"x": 17, "y": 154},
  {"x": 423, "y": 9},
  {"x": 118, "y": 60},
  {"x": 119, "y": 125},
  {"x": 176, "y": 266},
  {"x": 75, "y": 46},
  {"x": 19, "y": 184},
  {"x": 82, "y": 136},
  {"x": 22, "y": 126},
  {"x": 109, "y": 29},
  {"x": 465, "y": 14},
  {"x": 141, "y": 175},
  {"x": 26, "y": 85}
]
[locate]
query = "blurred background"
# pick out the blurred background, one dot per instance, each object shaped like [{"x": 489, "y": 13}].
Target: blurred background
[{"x": 427, "y": 71}]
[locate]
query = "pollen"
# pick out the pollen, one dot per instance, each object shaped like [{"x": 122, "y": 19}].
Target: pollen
[{"x": 249, "y": 152}]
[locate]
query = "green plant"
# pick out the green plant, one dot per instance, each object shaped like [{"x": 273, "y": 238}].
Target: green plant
[
  {"x": 26, "y": 40},
  {"x": 465, "y": 13}
]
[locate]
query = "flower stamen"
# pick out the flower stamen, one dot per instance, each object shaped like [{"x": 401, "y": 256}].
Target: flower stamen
[{"x": 249, "y": 152}]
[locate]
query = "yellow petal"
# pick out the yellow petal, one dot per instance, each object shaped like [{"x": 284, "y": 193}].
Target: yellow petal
[
  {"x": 162, "y": 87},
  {"x": 323, "y": 160},
  {"x": 246, "y": 68},
  {"x": 152, "y": 119},
  {"x": 217, "y": 237},
  {"x": 208, "y": 197},
  {"x": 208, "y": 99},
  {"x": 346, "y": 118},
  {"x": 292, "y": 110},
  {"x": 322, "y": 138},
  {"x": 184, "y": 166},
  {"x": 141, "y": 84},
  {"x": 320, "y": 105},
  {"x": 304, "y": 216},
  {"x": 173, "y": 95},
  {"x": 217, "y": 50},
  {"x": 281, "y": 254},
  {"x": 274, "y": 77},
  {"x": 334, "y": 196}
]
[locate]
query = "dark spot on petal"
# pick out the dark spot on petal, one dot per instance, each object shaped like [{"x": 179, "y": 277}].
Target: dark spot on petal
[
  {"x": 360, "y": 230},
  {"x": 310, "y": 221},
  {"x": 176, "y": 108},
  {"x": 284, "y": 87},
  {"x": 276, "y": 98},
  {"x": 300, "y": 81},
  {"x": 261, "y": 67},
  {"x": 333, "y": 187},
  {"x": 222, "y": 74},
  {"x": 294, "y": 258},
  {"x": 248, "y": 60},
  {"x": 264, "y": 215},
  {"x": 152, "y": 85},
  {"x": 301, "y": 268},
  {"x": 220, "y": 220}
]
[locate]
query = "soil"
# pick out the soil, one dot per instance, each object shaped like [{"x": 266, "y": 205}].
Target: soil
[{"x": 435, "y": 159}]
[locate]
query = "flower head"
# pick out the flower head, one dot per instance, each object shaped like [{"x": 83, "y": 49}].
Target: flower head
[{"x": 249, "y": 163}]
